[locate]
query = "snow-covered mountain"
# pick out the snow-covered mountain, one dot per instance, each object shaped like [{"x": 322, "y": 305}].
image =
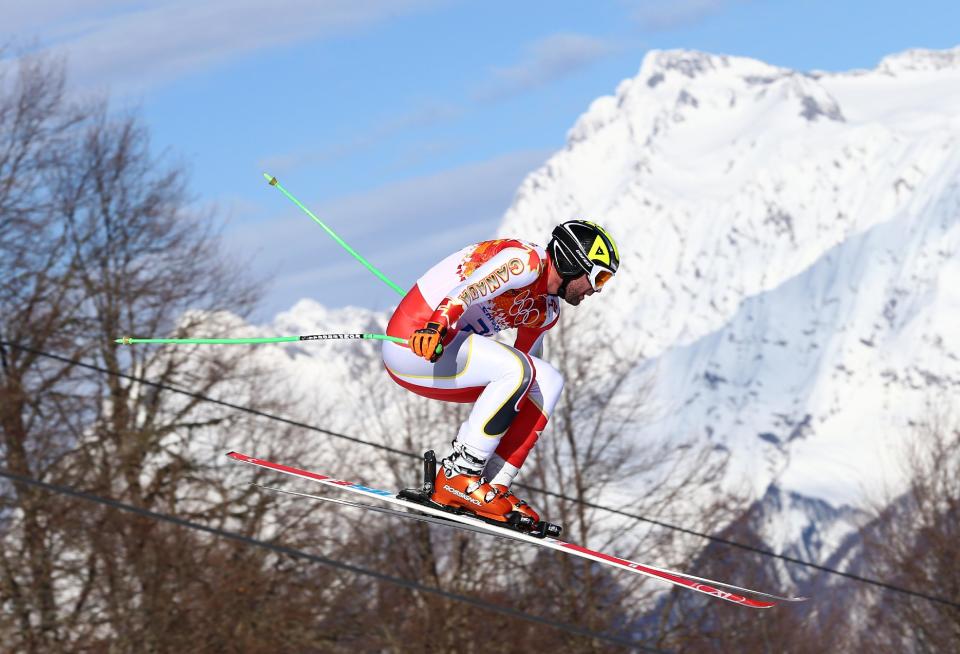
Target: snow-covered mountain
[
  {"x": 790, "y": 253},
  {"x": 790, "y": 263}
]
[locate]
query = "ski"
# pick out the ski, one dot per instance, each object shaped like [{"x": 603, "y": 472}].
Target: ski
[
  {"x": 705, "y": 586},
  {"x": 446, "y": 522}
]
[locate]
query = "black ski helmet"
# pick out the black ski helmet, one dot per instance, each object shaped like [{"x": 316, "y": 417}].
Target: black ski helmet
[{"x": 581, "y": 247}]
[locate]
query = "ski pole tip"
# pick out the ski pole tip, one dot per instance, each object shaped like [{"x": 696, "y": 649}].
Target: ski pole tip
[
  {"x": 270, "y": 179},
  {"x": 126, "y": 340}
]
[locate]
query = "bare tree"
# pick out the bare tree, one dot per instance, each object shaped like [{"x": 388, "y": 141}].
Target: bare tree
[
  {"x": 590, "y": 456},
  {"x": 914, "y": 542},
  {"x": 35, "y": 301},
  {"x": 911, "y": 542},
  {"x": 692, "y": 622},
  {"x": 100, "y": 239}
]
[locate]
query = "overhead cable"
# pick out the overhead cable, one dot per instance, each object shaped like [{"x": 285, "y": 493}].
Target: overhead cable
[
  {"x": 333, "y": 563},
  {"x": 666, "y": 525}
]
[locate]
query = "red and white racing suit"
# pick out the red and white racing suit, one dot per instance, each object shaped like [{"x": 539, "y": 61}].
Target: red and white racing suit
[{"x": 476, "y": 292}]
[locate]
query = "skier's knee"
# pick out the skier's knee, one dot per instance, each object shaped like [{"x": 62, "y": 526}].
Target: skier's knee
[{"x": 550, "y": 381}]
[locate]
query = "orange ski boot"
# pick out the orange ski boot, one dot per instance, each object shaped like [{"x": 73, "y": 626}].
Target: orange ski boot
[
  {"x": 525, "y": 518},
  {"x": 501, "y": 475},
  {"x": 518, "y": 505},
  {"x": 459, "y": 484}
]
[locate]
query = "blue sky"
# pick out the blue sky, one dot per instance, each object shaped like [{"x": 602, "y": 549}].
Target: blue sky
[{"x": 406, "y": 125}]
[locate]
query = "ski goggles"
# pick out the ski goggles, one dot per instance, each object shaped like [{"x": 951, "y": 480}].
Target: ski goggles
[{"x": 598, "y": 277}]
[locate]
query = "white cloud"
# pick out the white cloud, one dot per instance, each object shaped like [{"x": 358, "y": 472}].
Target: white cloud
[
  {"x": 547, "y": 60},
  {"x": 464, "y": 194},
  {"x": 53, "y": 19},
  {"x": 424, "y": 116},
  {"x": 146, "y": 44},
  {"x": 655, "y": 16}
]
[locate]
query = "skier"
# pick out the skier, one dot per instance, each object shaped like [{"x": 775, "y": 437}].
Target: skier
[{"x": 447, "y": 317}]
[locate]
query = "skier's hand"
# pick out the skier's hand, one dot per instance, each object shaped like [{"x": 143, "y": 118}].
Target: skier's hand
[{"x": 426, "y": 342}]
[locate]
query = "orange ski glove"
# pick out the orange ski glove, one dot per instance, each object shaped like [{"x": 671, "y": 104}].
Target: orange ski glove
[{"x": 425, "y": 342}]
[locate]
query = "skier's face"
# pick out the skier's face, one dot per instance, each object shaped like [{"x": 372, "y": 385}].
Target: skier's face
[{"x": 577, "y": 289}]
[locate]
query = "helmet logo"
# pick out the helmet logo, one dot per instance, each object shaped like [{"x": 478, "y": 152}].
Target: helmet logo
[{"x": 599, "y": 251}]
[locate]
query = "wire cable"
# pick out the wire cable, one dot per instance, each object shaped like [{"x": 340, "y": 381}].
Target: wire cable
[
  {"x": 315, "y": 558},
  {"x": 717, "y": 539}
]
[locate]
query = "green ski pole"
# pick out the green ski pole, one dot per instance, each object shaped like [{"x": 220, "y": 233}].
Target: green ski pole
[
  {"x": 386, "y": 280},
  {"x": 127, "y": 340}
]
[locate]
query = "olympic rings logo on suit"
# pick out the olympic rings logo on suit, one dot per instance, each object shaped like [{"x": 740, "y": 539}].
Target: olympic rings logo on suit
[{"x": 524, "y": 310}]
